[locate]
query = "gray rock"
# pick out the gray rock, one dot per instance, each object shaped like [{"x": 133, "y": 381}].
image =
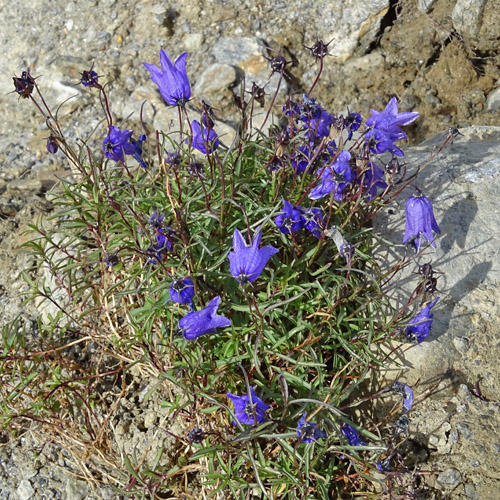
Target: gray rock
[
  {"x": 249, "y": 55},
  {"x": 425, "y": 5},
  {"x": 464, "y": 430},
  {"x": 239, "y": 51},
  {"x": 193, "y": 41},
  {"x": 463, "y": 184},
  {"x": 27, "y": 184},
  {"x": 215, "y": 78},
  {"x": 493, "y": 100},
  {"x": 75, "y": 490},
  {"x": 461, "y": 344},
  {"x": 450, "y": 478},
  {"x": 25, "y": 491},
  {"x": 471, "y": 492},
  {"x": 466, "y": 17}
]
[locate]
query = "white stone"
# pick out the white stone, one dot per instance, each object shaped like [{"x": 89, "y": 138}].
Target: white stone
[
  {"x": 25, "y": 491},
  {"x": 215, "y": 78},
  {"x": 493, "y": 100}
]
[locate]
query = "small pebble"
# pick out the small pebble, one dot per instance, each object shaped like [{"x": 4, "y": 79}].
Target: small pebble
[{"x": 450, "y": 478}]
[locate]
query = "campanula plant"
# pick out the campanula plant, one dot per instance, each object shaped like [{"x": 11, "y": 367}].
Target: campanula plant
[
  {"x": 182, "y": 291},
  {"x": 247, "y": 262},
  {"x": 196, "y": 324},
  {"x": 420, "y": 221},
  {"x": 420, "y": 326},
  {"x": 309, "y": 432},
  {"x": 204, "y": 139},
  {"x": 204, "y": 276},
  {"x": 249, "y": 409},
  {"x": 172, "y": 79}
]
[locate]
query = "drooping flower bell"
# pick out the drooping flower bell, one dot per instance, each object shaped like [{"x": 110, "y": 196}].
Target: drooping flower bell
[
  {"x": 24, "y": 86},
  {"x": 352, "y": 435},
  {"x": 172, "y": 79},
  {"x": 406, "y": 392},
  {"x": 420, "y": 326},
  {"x": 247, "y": 262},
  {"x": 246, "y": 411},
  {"x": 371, "y": 180},
  {"x": 52, "y": 145},
  {"x": 195, "y": 324},
  {"x": 420, "y": 221},
  {"x": 307, "y": 431},
  {"x": 204, "y": 139},
  {"x": 182, "y": 291}
]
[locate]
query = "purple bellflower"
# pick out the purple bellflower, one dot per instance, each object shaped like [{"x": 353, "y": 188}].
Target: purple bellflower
[
  {"x": 163, "y": 244},
  {"x": 352, "y": 122},
  {"x": 52, "y": 145},
  {"x": 334, "y": 178},
  {"x": 420, "y": 221},
  {"x": 247, "y": 262},
  {"x": 313, "y": 221},
  {"x": 420, "y": 326},
  {"x": 163, "y": 235},
  {"x": 182, "y": 291},
  {"x": 307, "y": 431},
  {"x": 352, "y": 435},
  {"x": 119, "y": 143},
  {"x": 290, "y": 220},
  {"x": 390, "y": 118},
  {"x": 89, "y": 78},
  {"x": 247, "y": 412},
  {"x": 171, "y": 79},
  {"x": 406, "y": 392},
  {"x": 24, "y": 86},
  {"x": 319, "y": 124},
  {"x": 314, "y": 118},
  {"x": 195, "y": 324},
  {"x": 384, "y": 128},
  {"x": 204, "y": 139},
  {"x": 372, "y": 179},
  {"x": 301, "y": 159}
]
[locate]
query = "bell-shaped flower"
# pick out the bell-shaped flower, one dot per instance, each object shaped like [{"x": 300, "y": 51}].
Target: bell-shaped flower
[
  {"x": 352, "y": 123},
  {"x": 371, "y": 180},
  {"x": 313, "y": 221},
  {"x": 406, "y": 392},
  {"x": 384, "y": 128},
  {"x": 195, "y": 324},
  {"x": 334, "y": 178},
  {"x": 171, "y": 79},
  {"x": 204, "y": 139},
  {"x": 307, "y": 431},
  {"x": 352, "y": 435},
  {"x": 389, "y": 119},
  {"x": 182, "y": 291},
  {"x": 420, "y": 326},
  {"x": 420, "y": 221},
  {"x": 247, "y": 262},
  {"x": 119, "y": 143},
  {"x": 249, "y": 410},
  {"x": 290, "y": 220}
]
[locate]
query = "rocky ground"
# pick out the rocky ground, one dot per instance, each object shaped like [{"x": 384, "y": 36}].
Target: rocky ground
[{"x": 439, "y": 57}]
